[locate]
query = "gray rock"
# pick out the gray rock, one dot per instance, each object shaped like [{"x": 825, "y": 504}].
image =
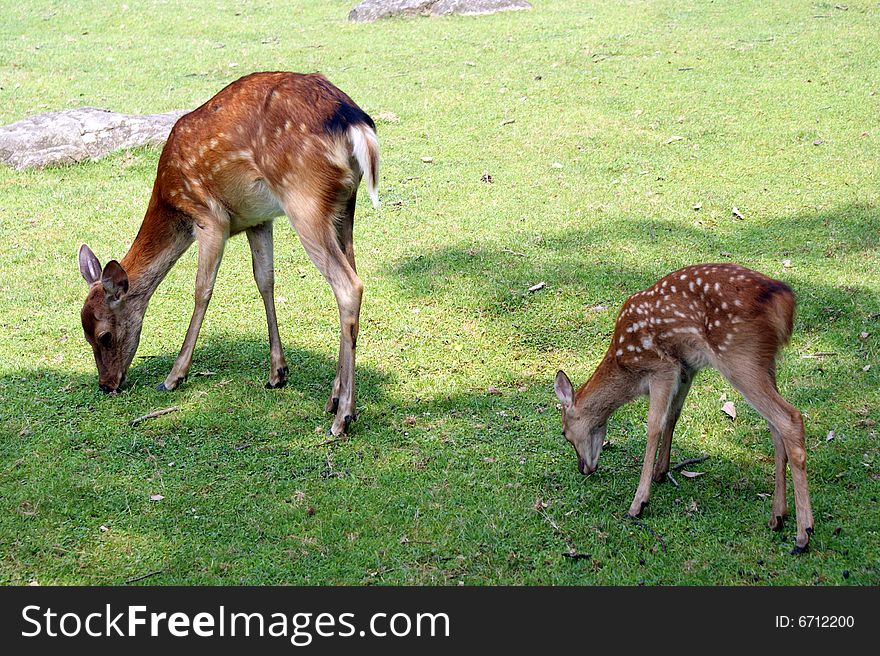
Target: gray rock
[
  {"x": 74, "y": 135},
  {"x": 371, "y": 10}
]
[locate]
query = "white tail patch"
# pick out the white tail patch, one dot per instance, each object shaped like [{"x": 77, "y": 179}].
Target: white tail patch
[{"x": 365, "y": 147}]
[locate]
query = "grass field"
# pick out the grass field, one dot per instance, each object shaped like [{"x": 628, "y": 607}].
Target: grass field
[{"x": 626, "y": 118}]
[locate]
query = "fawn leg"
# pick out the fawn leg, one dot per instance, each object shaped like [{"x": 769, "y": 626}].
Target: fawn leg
[
  {"x": 661, "y": 467},
  {"x": 662, "y": 388}
]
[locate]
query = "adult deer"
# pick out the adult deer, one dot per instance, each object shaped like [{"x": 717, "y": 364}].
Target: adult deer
[
  {"x": 266, "y": 145},
  {"x": 719, "y": 315}
]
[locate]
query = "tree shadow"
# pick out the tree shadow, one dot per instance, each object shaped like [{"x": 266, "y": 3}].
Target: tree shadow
[{"x": 494, "y": 280}]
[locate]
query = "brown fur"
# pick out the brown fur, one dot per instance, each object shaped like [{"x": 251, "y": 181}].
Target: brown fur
[
  {"x": 720, "y": 315},
  {"x": 267, "y": 144}
]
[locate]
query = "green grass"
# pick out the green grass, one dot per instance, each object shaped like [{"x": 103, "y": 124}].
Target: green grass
[{"x": 439, "y": 482}]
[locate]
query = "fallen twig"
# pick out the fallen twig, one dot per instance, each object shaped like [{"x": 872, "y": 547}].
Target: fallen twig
[
  {"x": 818, "y": 356},
  {"x": 651, "y": 531},
  {"x": 143, "y": 576},
  {"x": 576, "y": 556},
  {"x": 153, "y": 415},
  {"x": 507, "y": 250},
  {"x": 573, "y": 552},
  {"x": 689, "y": 461},
  {"x": 671, "y": 479},
  {"x": 334, "y": 440}
]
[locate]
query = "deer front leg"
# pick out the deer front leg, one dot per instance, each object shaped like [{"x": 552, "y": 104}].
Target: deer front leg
[
  {"x": 661, "y": 467},
  {"x": 662, "y": 392},
  {"x": 211, "y": 239},
  {"x": 260, "y": 241}
]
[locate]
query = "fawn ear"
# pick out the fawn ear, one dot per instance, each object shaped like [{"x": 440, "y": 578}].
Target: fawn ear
[
  {"x": 564, "y": 390},
  {"x": 89, "y": 266},
  {"x": 115, "y": 281}
]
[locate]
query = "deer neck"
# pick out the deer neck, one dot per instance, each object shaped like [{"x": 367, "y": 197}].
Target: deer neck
[
  {"x": 160, "y": 242},
  {"x": 607, "y": 389}
]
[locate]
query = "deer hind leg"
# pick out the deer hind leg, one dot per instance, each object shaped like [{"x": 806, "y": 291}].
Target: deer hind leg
[
  {"x": 317, "y": 233},
  {"x": 260, "y": 241},
  {"x": 757, "y": 386},
  {"x": 780, "y": 507},
  {"x": 211, "y": 233},
  {"x": 661, "y": 467},
  {"x": 345, "y": 238},
  {"x": 662, "y": 392}
]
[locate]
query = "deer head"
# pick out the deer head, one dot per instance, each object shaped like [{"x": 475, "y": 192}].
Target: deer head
[
  {"x": 583, "y": 425},
  {"x": 111, "y": 329}
]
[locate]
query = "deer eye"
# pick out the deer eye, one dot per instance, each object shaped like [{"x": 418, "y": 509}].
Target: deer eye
[{"x": 105, "y": 339}]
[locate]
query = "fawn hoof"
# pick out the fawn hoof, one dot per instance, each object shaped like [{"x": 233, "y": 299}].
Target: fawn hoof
[
  {"x": 164, "y": 386},
  {"x": 776, "y": 522},
  {"x": 634, "y": 512},
  {"x": 802, "y": 544},
  {"x": 282, "y": 379},
  {"x": 340, "y": 426},
  {"x": 332, "y": 405}
]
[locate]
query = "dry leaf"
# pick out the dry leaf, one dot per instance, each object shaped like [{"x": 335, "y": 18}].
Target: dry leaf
[
  {"x": 494, "y": 390},
  {"x": 831, "y": 435},
  {"x": 786, "y": 264},
  {"x": 556, "y": 165},
  {"x": 729, "y": 409},
  {"x": 867, "y": 367},
  {"x": 103, "y": 528},
  {"x": 818, "y": 142},
  {"x": 690, "y": 474},
  {"x": 509, "y": 121},
  {"x": 697, "y": 206},
  {"x": 864, "y": 335},
  {"x": 486, "y": 178},
  {"x": 535, "y": 288},
  {"x": 737, "y": 213},
  {"x": 403, "y": 539},
  {"x": 672, "y": 139},
  {"x": 427, "y": 160},
  {"x": 540, "y": 504},
  {"x": 156, "y": 497}
]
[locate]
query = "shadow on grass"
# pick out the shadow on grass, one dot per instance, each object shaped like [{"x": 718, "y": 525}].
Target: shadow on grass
[{"x": 594, "y": 261}]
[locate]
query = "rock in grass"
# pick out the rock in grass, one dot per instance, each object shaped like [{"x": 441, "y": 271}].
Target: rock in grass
[
  {"x": 74, "y": 135},
  {"x": 372, "y": 10}
]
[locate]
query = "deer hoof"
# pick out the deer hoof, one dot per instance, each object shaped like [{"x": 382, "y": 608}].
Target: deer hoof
[
  {"x": 635, "y": 514},
  {"x": 348, "y": 419},
  {"x": 332, "y": 405},
  {"x": 776, "y": 522},
  {"x": 282, "y": 379},
  {"x": 161, "y": 388},
  {"x": 799, "y": 550}
]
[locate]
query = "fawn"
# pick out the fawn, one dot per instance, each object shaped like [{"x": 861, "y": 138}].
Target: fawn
[
  {"x": 720, "y": 315},
  {"x": 266, "y": 145}
]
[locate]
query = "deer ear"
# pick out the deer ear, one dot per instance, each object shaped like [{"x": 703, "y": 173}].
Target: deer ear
[
  {"x": 564, "y": 390},
  {"x": 115, "y": 280},
  {"x": 89, "y": 266}
]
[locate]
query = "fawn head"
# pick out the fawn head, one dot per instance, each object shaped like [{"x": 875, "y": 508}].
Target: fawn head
[
  {"x": 585, "y": 430},
  {"x": 106, "y": 325}
]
